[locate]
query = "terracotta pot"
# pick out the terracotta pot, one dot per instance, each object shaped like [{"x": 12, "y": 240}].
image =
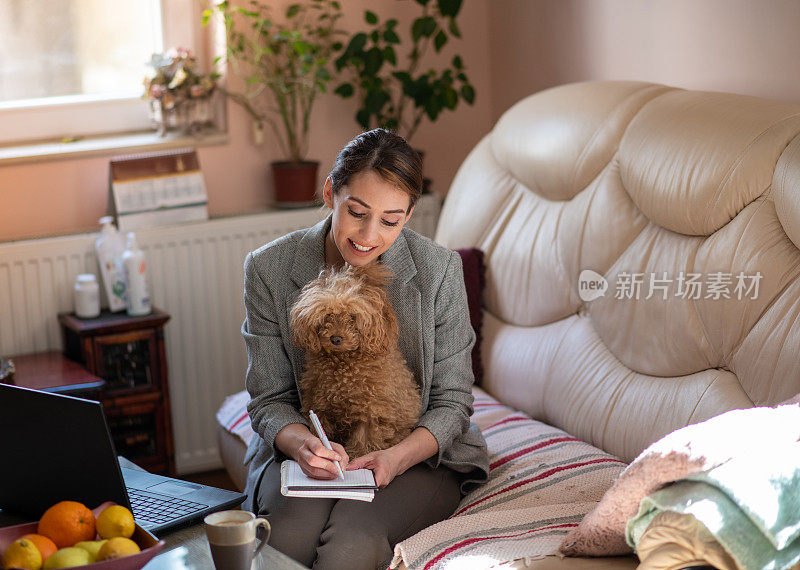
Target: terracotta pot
[{"x": 295, "y": 183}]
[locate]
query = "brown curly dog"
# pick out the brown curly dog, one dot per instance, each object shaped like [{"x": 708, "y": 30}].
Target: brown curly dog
[{"x": 355, "y": 378}]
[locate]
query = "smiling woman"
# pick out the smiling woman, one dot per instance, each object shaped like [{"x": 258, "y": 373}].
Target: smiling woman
[{"x": 372, "y": 188}]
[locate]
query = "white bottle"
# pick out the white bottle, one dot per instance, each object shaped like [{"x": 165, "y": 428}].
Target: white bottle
[
  {"x": 136, "y": 272},
  {"x": 109, "y": 247},
  {"x": 87, "y": 296}
]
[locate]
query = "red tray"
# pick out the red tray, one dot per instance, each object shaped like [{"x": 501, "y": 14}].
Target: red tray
[{"x": 149, "y": 544}]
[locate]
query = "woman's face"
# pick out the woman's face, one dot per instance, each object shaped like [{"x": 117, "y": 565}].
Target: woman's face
[{"x": 368, "y": 214}]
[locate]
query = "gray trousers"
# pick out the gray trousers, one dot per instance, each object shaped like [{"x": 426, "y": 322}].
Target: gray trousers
[{"x": 337, "y": 534}]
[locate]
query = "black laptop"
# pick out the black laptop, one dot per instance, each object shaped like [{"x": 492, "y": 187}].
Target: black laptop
[{"x": 60, "y": 448}]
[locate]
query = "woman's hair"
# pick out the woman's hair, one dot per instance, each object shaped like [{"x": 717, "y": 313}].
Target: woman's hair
[{"x": 385, "y": 153}]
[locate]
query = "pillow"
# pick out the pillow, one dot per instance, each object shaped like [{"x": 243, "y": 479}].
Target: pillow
[
  {"x": 691, "y": 449},
  {"x": 474, "y": 279}
]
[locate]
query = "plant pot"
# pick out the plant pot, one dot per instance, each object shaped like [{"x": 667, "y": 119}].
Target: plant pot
[
  {"x": 295, "y": 183},
  {"x": 189, "y": 116}
]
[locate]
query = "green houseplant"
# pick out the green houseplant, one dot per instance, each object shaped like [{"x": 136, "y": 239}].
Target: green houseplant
[
  {"x": 398, "y": 94},
  {"x": 284, "y": 64}
]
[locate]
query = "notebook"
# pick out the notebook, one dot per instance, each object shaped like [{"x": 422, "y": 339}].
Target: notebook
[
  {"x": 358, "y": 484},
  {"x": 60, "y": 448}
]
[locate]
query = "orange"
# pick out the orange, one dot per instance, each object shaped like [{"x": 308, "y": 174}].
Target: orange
[
  {"x": 22, "y": 553},
  {"x": 45, "y": 545},
  {"x": 66, "y": 523}
]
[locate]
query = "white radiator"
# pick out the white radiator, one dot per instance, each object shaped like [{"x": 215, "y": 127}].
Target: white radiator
[{"x": 196, "y": 275}]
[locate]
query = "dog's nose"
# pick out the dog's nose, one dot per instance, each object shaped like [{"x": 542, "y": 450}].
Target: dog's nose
[{"x": 336, "y": 340}]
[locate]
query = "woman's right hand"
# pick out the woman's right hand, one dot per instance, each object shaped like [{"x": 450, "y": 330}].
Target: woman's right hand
[{"x": 317, "y": 461}]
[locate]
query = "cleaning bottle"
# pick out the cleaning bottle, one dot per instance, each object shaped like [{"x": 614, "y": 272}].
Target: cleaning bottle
[
  {"x": 136, "y": 272},
  {"x": 109, "y": 247}
]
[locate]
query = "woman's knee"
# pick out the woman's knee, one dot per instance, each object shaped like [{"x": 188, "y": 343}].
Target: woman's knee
[{"x": 353, "y": 546}]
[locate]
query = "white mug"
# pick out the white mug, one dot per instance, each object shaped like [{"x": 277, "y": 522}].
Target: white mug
[{"x": 231, "y": 538}]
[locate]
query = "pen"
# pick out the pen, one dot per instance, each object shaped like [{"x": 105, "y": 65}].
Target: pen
[{"x": 323, "y": 437}]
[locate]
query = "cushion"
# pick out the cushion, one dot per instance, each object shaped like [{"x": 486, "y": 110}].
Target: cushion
[
  {"x": 232, "y": 416},
  {"x": 691, "y": 449},
  {"x": 475, "y": 279},
  {"x": 542, "y": 482}
]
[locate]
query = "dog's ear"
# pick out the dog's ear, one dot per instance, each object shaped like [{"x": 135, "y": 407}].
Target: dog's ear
[
  {"x": 380, "y": 329},
  {"x": 304, "y": 320},
  {"x": 375, "y": 274}
]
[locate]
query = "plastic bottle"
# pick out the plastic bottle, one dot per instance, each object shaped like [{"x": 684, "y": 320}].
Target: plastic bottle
[
  {"x": 109, "y": 247},
  {"x": 87, "y": 296},
  {"x": 136, "y": 272}
]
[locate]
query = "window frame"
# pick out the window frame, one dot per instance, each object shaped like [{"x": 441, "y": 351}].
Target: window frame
[{"x": 58, "y": 126}]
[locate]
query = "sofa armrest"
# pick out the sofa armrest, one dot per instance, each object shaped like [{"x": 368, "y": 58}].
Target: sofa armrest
[{"x": 232, "y": 450}]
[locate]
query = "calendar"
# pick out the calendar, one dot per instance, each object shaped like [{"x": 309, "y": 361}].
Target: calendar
[{"x": 157, "y": 189}]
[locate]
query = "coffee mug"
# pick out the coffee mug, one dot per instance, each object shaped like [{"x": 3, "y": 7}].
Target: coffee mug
[{"x": 232, "y": 537}]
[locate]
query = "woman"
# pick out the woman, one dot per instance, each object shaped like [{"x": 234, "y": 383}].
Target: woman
[{"x": 371, "y": 191}]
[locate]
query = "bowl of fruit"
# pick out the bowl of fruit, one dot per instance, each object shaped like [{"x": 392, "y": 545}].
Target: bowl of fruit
[{"x": 70, "y": 535}]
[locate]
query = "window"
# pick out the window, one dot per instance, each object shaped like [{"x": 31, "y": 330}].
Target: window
[{"x": 73, "y": 68}]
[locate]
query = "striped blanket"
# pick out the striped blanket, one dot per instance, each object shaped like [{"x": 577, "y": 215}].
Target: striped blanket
[{"x": 542, "y": 482}]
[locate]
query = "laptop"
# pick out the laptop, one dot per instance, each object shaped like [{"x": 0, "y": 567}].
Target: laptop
[{"x": 59, "y": 447}]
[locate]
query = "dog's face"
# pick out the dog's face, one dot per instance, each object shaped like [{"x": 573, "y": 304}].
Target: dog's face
[{"x": 345, "y": 310}]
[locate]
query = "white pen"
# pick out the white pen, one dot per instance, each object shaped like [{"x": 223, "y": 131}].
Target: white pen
[{"x": 323, "y": 437}]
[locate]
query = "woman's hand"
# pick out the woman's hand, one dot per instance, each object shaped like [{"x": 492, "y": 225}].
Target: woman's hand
[
  {"x": 389, "y": 463},
  {"x": 385, "y": 465},
  {"x": 317, "y": 461}
]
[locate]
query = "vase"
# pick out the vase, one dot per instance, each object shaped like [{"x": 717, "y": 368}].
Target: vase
[
  {"x": 295, "y": 183},
  {"x": 189, "y": 116}
]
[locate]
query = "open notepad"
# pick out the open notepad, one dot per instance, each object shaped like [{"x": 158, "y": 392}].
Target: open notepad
[{"x": 358, "y": 484}]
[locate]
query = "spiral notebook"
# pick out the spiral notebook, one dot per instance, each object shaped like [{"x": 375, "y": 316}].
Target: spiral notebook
[{"x": 358, "y": 484}]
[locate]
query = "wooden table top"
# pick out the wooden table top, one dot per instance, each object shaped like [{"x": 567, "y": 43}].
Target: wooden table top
[
  {"x": 187, "y": 549},
  {"x": 53, "y": 372}
]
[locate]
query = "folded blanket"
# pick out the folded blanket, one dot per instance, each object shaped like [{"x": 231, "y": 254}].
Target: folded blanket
[
  {"x": 750, "y": 505},
  {"x": 673, "y": 541}
]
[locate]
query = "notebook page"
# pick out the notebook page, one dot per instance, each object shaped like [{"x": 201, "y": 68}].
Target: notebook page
[
  {"x": 296, "y": 478},
  {"x": 343, "y": 492}
]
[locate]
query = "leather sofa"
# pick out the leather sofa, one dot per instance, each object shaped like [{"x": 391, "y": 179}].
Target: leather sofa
[{"x": 641, "y": 245}]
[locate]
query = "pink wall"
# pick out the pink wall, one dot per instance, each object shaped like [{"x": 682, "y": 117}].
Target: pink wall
[
  {"x": 513, "y": 48},
  {"x": 69, "y": 196},
  {"x": 739, "y": 46}
]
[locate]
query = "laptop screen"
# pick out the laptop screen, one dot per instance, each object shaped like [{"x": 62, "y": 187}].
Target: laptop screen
[{"x": 56, "y": 448}]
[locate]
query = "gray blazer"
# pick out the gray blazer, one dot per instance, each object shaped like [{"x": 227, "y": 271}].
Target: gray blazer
[{"x": 436, "y": 338}]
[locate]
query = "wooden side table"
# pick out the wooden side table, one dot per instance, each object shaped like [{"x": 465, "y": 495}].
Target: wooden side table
[
  {"x": 128, "y": 353},
  {"x": 53, "y": 372}
]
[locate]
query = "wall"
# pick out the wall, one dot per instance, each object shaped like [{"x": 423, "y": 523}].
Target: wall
[
  {"x": 69, "y": 196},
  {"x": 740, "y": 46}
]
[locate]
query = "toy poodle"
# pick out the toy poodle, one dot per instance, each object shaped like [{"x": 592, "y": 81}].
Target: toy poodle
[{"x": 355, "y": 378}]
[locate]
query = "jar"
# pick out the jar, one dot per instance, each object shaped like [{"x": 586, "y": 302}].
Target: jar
[{"x": 87, "y": 296}]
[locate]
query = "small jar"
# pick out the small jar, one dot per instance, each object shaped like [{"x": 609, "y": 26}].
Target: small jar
[{"x": 87, "y": 296}]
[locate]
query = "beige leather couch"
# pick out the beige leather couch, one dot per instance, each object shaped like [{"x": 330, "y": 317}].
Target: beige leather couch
[{"x": 638, "y": 183}]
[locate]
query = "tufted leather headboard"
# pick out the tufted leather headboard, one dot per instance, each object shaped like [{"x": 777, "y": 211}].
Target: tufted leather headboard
[{"x": 690, "y": 194}]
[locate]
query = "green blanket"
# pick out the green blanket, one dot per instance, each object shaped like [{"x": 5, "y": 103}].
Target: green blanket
[{"x": 751, "y": 505}]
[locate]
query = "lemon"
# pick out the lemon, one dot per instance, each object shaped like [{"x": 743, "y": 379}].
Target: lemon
[
  {"x": 117, "y": 547},
  {"x": 67, "y": 558},
  {"x": 92, "y": 547},
  {"x": 114, "y": 521},
  {"x": 22, "y": 553}
]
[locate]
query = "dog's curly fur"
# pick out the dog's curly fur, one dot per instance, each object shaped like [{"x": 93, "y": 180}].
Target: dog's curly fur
[{"x": 355, "y": 378}]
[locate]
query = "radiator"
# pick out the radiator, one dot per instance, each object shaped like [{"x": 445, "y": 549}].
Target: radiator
[{"x": 196, "y": 275}]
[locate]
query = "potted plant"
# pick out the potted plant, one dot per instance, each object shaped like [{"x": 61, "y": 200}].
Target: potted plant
[
  {"x": 398, "y": 94},
  {"x": 284, "y": 66},
  {"x": 180, "y": 96}
]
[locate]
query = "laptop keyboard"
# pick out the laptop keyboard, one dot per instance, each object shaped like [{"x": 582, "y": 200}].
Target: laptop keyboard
[{"x": 157, "y": 509}]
